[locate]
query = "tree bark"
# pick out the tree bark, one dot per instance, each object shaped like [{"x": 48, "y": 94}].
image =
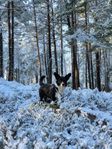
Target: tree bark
[
  {"x": 75, "y": 70},
  {"x": 87, "y": 48},
  {"x": 49, "y": 77},
  {"x": 86, "y": 74},
  {"x": 91, "y": 67},
  {"x": 97, "y": 54},
  {"x": 11, "y": 39},
  {"x": 44, "y": 51},
  {"x": 1, "y": 50},
  {"x": 61, "y": 37},
  {"x": 106, "y": 66},
  {"x": 54, "y": 39},
  {"x": 37, "y": 43},
  {"x": 12, "y": 3},
  {"x": 72, "y": 24},
  {"x": 98, "y": 79}
]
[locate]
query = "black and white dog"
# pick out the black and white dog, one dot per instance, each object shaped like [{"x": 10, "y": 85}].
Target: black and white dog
[
  {"x": 51, "y": 92},
  {"x": 61, "y": 82}
]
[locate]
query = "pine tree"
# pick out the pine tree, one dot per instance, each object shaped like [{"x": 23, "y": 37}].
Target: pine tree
[
  {"x": 11, "y": 39},
  {"x": 37, "y": 43},
  {"x": 1, "y": 50},
  {"x": 49, "y": 60}
]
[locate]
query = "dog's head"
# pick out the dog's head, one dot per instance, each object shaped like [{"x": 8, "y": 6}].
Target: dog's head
[{"x": 61, "y": 81}]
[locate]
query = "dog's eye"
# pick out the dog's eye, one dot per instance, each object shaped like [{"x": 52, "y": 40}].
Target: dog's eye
[
  {"x": 63, "y": 84},
  {"x": 58, "y": 83}
]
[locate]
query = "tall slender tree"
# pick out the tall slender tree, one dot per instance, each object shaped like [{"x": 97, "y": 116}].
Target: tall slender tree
[
  {"x": 45, "y": 54},
  {"x": 97, "y": 54},
  {"x": 91, "y": 66},
  {"x": 37, "y": 42},
  {"x": 11, "y": 39},
  {"x": 1, "y": 49},
  {"x": 49, "y": 59},
  {"x": 54, "y": 38},
  {"x": 75, "y": 69},
  {"x": 87, "y": 49},
  {"x": 72, "y": 25},
  {"x": 61, "y": 38}
]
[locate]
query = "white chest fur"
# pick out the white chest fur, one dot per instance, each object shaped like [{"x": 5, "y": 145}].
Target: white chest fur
[{"x": 60, "y": 91}]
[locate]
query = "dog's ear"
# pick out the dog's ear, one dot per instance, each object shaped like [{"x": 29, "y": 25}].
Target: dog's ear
[
  {"x": 67, "y": 76},
  {"x": 57, "y": 76}
]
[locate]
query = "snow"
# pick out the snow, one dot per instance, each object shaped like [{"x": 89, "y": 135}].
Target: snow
[{"x": 82, "y": 119}]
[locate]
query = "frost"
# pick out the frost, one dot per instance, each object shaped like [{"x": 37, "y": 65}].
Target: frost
[{"x": 82, "y": 119}]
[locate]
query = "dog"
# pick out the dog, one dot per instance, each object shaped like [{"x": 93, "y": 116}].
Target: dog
[
  {"x": 61, "y": 82},
  {"x": 51, "y": 92},
  {"x": 47, "y": 92}
]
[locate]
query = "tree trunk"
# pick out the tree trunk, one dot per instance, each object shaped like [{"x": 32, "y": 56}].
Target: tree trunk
[
  {"x": 91, "y": 67},
  {"x": 1, "y": 50},
  {"x": 87, "y": 48},
  {"x": 11, "y": 39},
  {"x": 12, "y": 3},
  {"x": 61, "y": 37},
  {"x": 86, "y": 74},
  {"x": 49, "y": 77},
  {"x": 37, "y": 43},
  {"x": 75, "y": 70},
  {"x": 98, "y": 79},
  {"x": 88, "y": 63},
  {"x": 44, "y": 51},
  {"x": 106, "y": 66},
  {"x": 54, "y": 40},
  {"x": 77, "y": 82},
  {"x": 62, "y": 66}
]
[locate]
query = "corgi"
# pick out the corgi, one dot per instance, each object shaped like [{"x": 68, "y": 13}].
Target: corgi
[
  {"x": 52, "y": 92},
  {"x": 47, "y": 92},
  {"x": 61, "y": 82}
]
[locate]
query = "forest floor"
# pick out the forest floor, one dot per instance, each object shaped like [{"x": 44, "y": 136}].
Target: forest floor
[{"x": 82, "y": 119}]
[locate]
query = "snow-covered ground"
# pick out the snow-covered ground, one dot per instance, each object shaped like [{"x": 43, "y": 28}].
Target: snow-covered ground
[{"x": 82, "y": 119}]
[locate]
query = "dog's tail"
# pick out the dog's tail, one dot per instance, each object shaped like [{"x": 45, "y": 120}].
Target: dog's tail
[{"x": 41, "y": 80}]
